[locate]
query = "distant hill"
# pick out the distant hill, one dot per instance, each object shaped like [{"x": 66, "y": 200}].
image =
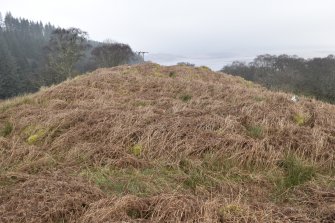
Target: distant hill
[{"x": 148, "y": 143}]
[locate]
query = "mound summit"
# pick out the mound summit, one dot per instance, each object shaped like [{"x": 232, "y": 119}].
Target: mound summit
[{"x": 147, "y": 143}]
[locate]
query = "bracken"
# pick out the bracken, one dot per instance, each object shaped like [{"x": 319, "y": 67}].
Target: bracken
[{"x": 188, "y": 145}]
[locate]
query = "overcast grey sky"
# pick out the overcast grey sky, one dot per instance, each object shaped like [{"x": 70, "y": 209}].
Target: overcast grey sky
[{"x": 210, "y": 30}]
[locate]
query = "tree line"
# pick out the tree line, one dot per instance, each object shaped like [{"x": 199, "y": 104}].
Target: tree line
[
  {"x": 33, "y": 54},
  {"x": 312, "y": 77}
]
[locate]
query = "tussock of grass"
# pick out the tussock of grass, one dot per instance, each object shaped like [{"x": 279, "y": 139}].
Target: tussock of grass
[
  {"x": 205, "y": 68},
  {"x": 43, "y": 164},
  {"x": 137, "y": 150},
  {"x": 143, "y": 182},
  {"x": 36, "y": 137},
  {"x": 172, "y": 74},
  {"x": 299, "y": 119},
  {"x": 249, "y": 84},
  {"x": 9, "y": 180},
  {"x": 258, "y": 98},
  {"x": 185, "y": 97},
  {"x": 230, "y": 211},
  {"x": 140, "y": 104},
  {"x": 186, "y": 176},
  {"x": 6, "y": 129},
  {"x": 20, "y": 100},
  {"x": 255, "y": 131},
  {"x": 295, "y": 172},
  {"x": 125, "y": 144}
]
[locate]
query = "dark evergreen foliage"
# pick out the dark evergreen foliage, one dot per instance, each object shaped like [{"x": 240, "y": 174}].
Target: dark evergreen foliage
[
  {"x": 112, "y": 54},
  {"x": 21, "y": 52},
  {"x": 8, "y": 77},
  {"x": 33, "y": 55}
]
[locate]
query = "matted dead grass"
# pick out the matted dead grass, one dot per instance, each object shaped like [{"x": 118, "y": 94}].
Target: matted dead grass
[{"x": 148, "y": 143}]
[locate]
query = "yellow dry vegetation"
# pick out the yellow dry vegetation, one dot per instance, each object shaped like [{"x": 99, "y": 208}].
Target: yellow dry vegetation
[{"x": 148, "y": 143}]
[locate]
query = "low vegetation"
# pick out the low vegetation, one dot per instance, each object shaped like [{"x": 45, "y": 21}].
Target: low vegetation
[
  {"x": 185, "y": 97},
  {"x": 146, "y": 143},
  {"x": 296, "y": 172},
  {"x": 6, "y": 129},
  {"x": 255, "y": 131}
]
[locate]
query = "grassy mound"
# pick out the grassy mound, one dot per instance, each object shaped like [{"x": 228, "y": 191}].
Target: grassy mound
[{"x": 165, "y": 144}]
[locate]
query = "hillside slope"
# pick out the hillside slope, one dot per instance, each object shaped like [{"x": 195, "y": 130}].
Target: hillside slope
[{"x": 165, "y": 144}]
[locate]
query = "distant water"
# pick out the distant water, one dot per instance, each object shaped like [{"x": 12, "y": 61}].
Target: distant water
[{"x": 217, "y": 62}]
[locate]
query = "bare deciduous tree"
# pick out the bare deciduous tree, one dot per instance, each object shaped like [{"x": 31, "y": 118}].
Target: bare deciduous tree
[{"x": 65, "y": 48}]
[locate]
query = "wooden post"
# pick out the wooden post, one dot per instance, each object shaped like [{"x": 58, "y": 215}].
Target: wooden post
[{"x": 141, "y": 54}]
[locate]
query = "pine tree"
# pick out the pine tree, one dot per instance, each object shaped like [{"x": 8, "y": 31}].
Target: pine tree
[
  {"x": 1, "y": 22},
  {"x": 8, "y": 80}
]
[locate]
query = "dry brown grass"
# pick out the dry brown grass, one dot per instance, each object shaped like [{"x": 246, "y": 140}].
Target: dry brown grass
[{"x": 165, "y": 144}]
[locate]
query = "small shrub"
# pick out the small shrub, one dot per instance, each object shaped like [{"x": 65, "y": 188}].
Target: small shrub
[
  {"x": 185, "y": 97},
  {"x": 299, "y": 119},
  {"x": 6, "y": 129},
  {"x": 255, "y": 131}
]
